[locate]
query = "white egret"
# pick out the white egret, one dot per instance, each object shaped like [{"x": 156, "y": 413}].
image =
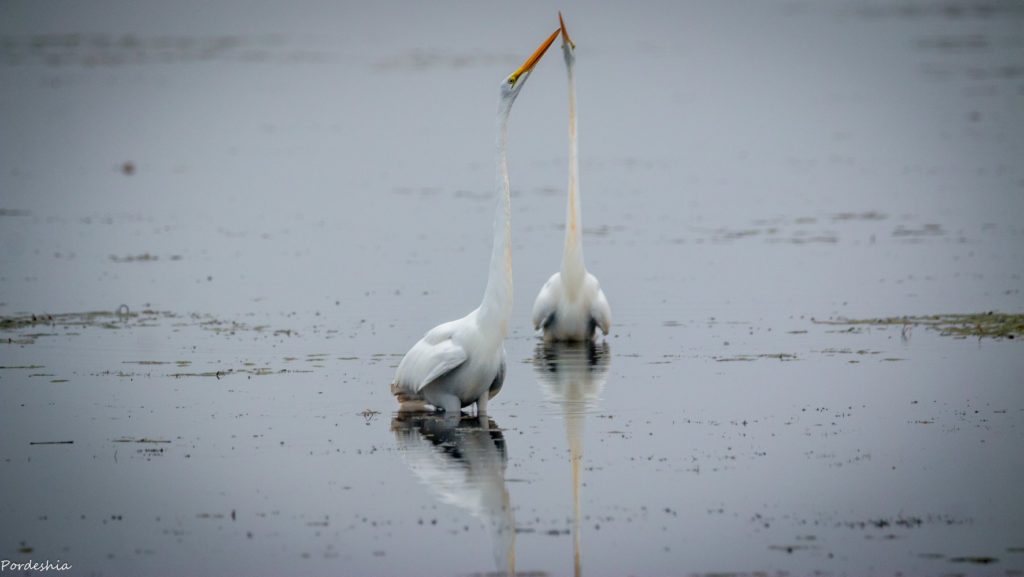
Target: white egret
[
  {"x": 571, "y": 303},
  {"x": 462, "y": 362}
]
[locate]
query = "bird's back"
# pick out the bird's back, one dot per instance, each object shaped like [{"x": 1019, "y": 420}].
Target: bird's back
[
  {"x": 565, "y": 314},
  {"x": 422, "y": 358}
]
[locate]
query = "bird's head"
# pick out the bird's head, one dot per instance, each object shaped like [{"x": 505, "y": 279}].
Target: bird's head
[
  {"x": 514, "y": 82},
  {"x": 568, "y": 46}
]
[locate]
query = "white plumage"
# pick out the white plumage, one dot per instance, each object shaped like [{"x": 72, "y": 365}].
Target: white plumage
[
  {"x": 454, "y": 365},
  {"x": 570, "y": 309},
  {"x": 571, "y": 304},
  {"x": 462, "y": 362}
]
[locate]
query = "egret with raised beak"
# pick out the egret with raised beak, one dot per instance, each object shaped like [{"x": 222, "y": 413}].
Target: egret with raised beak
[
  {"x": 462, "y": 362},
  {"x": 571, "y": 304}
]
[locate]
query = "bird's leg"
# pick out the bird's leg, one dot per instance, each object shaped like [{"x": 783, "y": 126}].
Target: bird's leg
[{"x": 481, "y": 404}]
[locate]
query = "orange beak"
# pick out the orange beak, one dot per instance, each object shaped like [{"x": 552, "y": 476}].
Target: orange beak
[
  {"x": 534, "y": 58},
  {"x": 565, "y": 32}
]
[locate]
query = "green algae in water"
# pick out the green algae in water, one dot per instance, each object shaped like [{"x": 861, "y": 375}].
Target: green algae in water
[{"x": 993, "y": 325}]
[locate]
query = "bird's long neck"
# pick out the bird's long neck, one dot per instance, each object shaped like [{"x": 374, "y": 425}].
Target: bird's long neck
[
  {"x": 497, "y": 304},
  {"x": 573, "y": 270}
]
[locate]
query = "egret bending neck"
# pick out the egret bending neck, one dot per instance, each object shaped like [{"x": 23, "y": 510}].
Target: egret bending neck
[{"x": 497, "y": 304}]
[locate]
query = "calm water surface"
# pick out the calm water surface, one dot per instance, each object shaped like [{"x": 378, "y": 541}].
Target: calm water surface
[{"x": 285, "y": 199}]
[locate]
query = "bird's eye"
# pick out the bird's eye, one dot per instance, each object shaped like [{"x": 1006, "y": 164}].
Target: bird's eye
[{"x": 511, "y": 80}]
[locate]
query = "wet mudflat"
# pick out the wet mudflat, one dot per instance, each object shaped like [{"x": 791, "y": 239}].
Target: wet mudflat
[{"x": 219, "y": 239}]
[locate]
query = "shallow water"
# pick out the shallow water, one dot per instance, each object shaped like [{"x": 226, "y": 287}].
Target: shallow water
[{"x": 285, "y": 200}]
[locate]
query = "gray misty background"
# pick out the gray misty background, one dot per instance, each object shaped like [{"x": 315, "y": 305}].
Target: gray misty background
[
  {"x": 302, "y": 189},
  {"x": 300, "y": 122}
]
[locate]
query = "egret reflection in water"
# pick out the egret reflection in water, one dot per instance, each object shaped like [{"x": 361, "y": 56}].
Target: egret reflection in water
[
  {"x": 462, "y": 462},
  {"x": 572, "y": 375}
]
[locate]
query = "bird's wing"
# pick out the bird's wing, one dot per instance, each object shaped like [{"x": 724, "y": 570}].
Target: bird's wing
[
  {"x": 547, "y": 301},
  {"x": 443, "y": 359},
  {"x": 601, "y": 312},
  {"x": 432, "y": 357}
]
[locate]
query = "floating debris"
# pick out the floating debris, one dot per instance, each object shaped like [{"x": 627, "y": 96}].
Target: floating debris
[
  {"x": 69, "y": 324},
  {"x": 991, "y": 324},
  {"x": 369, "y": 415},
  {"x": 791, "y": 548},
  {"x": 748, "y": 358},
  {"x": 215, "y": 374},
  {"x": 869, "y": 215},
  {"x": 144, "y": 257},
  {"x": 926, "y": 230},
  {"x": 974, "y": 560}
]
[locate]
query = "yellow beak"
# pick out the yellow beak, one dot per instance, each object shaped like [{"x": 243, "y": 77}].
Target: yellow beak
[
  {"x": 534, "y": 58},
  {"x": 565, "y": 32}
]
